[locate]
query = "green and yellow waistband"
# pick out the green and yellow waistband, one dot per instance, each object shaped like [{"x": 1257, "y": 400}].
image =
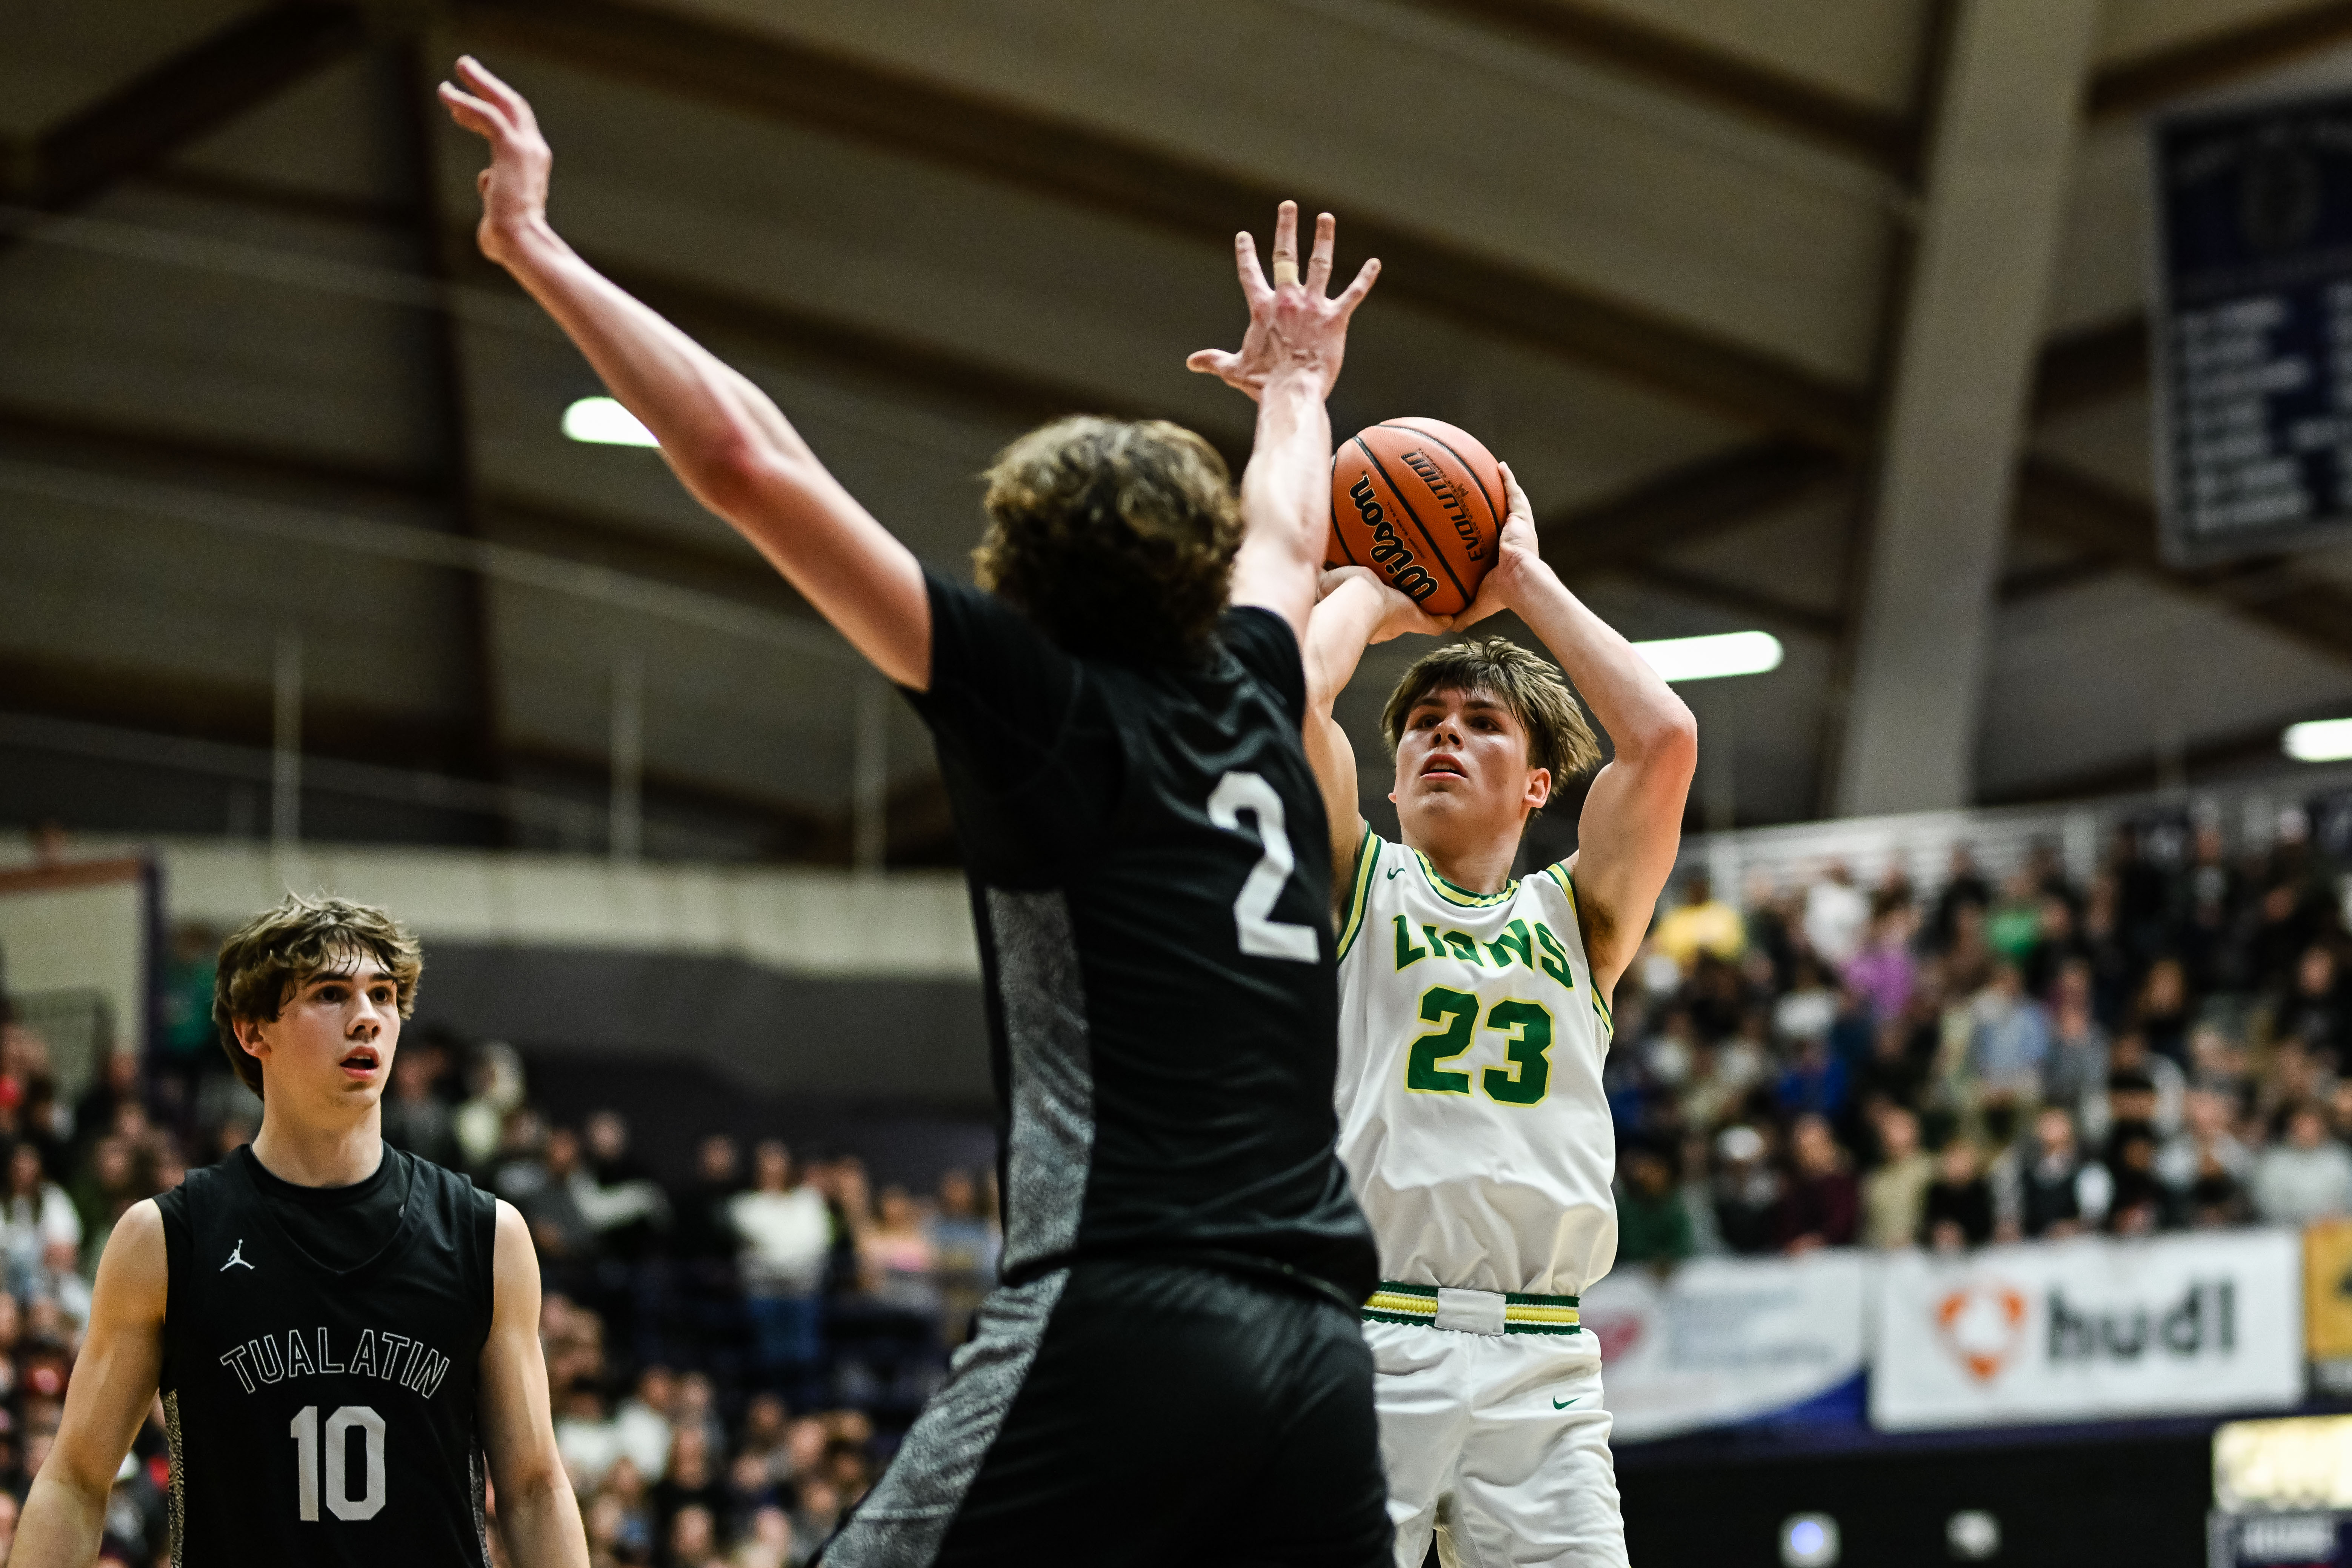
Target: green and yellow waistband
[{"x": 1395, "y": 1302}]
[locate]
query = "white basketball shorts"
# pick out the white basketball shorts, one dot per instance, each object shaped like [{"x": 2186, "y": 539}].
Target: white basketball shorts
[{"x": 1499, "y": 1444}]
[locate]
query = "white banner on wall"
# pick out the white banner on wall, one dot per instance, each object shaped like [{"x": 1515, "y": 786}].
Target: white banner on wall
[
  {"x": 1724, "y": 1340},
  {"x": 2089, "y": 1328}
]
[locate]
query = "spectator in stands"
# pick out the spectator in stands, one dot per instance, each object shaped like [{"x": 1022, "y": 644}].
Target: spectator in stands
[
  {"x": 693, "y": 1538},
  {"x": 691, "y": 1481},
  {"x": 1747, "y": 1190},
  {"x": 479, "y": 1124},
  {"x": 1807, "y": 1009},
  {"x": 2205, "y": 1144},
  {"x": 965, "y": 1233},
  {"x": 2059, "y": 1192},
  {"x": 1965, "y": 888},
  {"x": 766, "y": 1426},
  {"x": 1701, "y": 923},
  {"x": 1885, "y": 970},
  {"x": 2140, "y": 1205},
  {"x": 787, "y": 1234},
  {"x": 585, "y": 1437},
  {"x": 1836, "y": 913},
  {"x": 641, "y": 1428},
  {"x": 1813, "y": 1082},
  {"x": 519, "y": 1168},
  {"x": 2162, "y": 1014},
  {"x": 898, "y": 1265},
  {"x": 415, "y": 1118},
  {"x": 35, "y": 1214},
  {"x": 1894, "y": 1195},
  {"x": 1958, "y": 1208},
  {"x": 110, "y": 1183},
  {"x": 705, "y": 1224},
  {"x": 1820, "y": 1201},
  {"x": 2009, "y": 1038},
  {"x": 2318, "y": 1010},
  {"x": 2076, "y": 1067},
  {"x": 550, "y": 1201},
  {"x": 2142, "y": 1088},
  {"x": 1652, "y": 1223},
  {"x": 2305, "y": 1177},
  {"x": 616, "y": 1192}
]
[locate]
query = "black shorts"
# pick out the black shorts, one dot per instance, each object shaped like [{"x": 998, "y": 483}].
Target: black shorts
[{"x": 1135, "y": 1412}]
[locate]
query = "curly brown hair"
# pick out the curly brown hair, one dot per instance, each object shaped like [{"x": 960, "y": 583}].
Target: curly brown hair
[
  {"x": 1116, "y": 536},
  {"x": 1530, "y": 687},
  {"x": 273, "y": 954}
]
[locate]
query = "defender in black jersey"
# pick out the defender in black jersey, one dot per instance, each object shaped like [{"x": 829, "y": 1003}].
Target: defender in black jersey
[
  {"x": 1172, "y": 1371},
  {"x": 346, "y": 1338}
]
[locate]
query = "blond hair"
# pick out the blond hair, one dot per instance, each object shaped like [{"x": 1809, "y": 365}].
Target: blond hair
[
  {"x": 1116, "y": 536},
  {"x": 277, "y": 952},
  {"x": 1530, "y": 689}
]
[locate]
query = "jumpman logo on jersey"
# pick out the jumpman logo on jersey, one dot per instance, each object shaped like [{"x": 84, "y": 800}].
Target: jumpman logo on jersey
[{"x": 236, "y": 1258}]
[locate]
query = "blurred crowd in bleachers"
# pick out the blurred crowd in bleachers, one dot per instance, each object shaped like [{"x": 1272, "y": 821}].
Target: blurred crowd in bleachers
[{"x": 2164, "y": 1044}]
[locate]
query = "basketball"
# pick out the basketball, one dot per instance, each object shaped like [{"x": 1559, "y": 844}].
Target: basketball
[{"x": 1421, "y": 502}]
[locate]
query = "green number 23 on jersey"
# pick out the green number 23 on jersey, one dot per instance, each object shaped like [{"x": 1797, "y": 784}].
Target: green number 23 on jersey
[{"x": 1528, "y": 1024}]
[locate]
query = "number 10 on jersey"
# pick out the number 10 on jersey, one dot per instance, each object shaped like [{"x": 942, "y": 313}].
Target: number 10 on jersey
[{"x": 337, "y": 1479}]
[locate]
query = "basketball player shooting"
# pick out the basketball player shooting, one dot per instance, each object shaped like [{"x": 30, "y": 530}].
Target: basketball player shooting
[
  {"x": 342, "y": 1333},
  {"x": 1473, "y": 1021},
  {"x": 1172, "y": 1370}
]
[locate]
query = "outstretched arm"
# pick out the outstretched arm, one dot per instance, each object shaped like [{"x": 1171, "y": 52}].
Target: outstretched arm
[
  {"x": 1633, "y": 819},
  {"x": 1288, "y": 360},
  {"x": 537, "y": 1512},
  {"x": 113, "y": 1384},
  {"x": 1356, "y": 610},
  {"x": 727, "y": 441}
]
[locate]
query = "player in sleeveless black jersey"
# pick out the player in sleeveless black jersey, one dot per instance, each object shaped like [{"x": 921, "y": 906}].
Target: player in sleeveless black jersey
[
  {"x": 345, "y": 1337},
  {"x": 1171, "y": 1372}
]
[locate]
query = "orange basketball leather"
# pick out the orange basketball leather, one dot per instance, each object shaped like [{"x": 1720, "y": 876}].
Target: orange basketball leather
[{"x": 1421, "y": 502}]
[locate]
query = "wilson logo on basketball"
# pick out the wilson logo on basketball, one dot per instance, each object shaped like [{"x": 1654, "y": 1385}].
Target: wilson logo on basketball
[
  {"x": 1473, "y": 542},
  {"x": 1982, "y": 1325},
  {"x": 1389, "y": 553}
]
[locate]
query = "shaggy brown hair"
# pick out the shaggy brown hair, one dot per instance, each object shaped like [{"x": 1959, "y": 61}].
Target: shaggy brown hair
[
  {"x": 276, "y": 952},
  {"x": 1559, "y": 736},
  {"x": 1117, "y": 537}
]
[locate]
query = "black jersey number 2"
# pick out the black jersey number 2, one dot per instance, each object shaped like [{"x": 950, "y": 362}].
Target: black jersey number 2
[
  {"x": 1259, "y": 934},
  {"x": 337, "y": 1480}
]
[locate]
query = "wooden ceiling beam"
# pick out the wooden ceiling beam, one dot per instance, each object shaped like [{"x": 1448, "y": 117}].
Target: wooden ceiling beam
[
  {"x": 197, "y": 91},
  {"x": 2108, "y": 524},
  {"x": 1768, "y": 610},
  {"x": 2210, "y": 60},
  {"x": 1880, "y": 138},
  {"x": 776, "y": 78},
  {"x": 2090, "y": 365},
  {"x": 1689, "y": 502}
]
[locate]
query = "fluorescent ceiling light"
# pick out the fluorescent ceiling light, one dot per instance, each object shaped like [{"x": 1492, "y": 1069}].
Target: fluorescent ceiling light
[
  {"x": 2320, "y": 740},
  {"x": 1709, "y": 658},
  {"x": 606, "y": 423}
]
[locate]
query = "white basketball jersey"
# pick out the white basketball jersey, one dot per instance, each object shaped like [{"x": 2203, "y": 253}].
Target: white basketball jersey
[{"x": 1472, "y": 1120}]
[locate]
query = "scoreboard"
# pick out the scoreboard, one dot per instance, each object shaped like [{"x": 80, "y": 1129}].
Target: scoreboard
[{"x": 2253, "y": 329}]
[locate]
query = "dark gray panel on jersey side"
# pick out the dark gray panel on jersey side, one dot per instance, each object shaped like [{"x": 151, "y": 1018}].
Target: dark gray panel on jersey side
[
  {"x": 862, "y": 1040},
  {"x": 1051, "y": 1064}
]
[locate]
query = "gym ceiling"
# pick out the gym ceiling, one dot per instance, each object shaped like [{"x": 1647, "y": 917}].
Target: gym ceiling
[{"x": 259, "y": 400}]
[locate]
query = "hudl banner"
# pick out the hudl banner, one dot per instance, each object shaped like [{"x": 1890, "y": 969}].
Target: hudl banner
[
  {"x": 2089, "y": 1328},
  {"x": 1727, "y": 1340}
]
